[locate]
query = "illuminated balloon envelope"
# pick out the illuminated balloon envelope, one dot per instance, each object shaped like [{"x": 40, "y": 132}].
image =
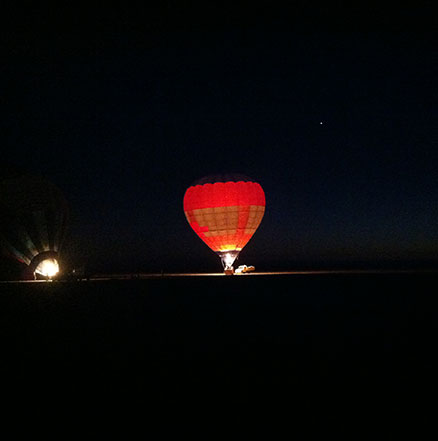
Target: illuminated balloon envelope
[
  {"x": 225, "y": 211},
  {"x": 33, "y": 219}
]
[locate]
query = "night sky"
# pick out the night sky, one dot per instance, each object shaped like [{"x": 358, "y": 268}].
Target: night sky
[{"x": 330, "y": 109}]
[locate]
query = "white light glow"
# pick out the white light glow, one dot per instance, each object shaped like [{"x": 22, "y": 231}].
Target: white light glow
[
  {"x": 229, "y": 259},
  {"x": 48, "y": 268}
]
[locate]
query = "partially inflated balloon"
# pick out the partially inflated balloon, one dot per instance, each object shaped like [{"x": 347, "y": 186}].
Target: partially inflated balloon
[
  {"x": 225, "y": 211},
  {"x": 33, "y": 218}
]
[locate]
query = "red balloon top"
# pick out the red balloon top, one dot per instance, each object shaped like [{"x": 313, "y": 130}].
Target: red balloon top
[{"x": 224, "y": 194}]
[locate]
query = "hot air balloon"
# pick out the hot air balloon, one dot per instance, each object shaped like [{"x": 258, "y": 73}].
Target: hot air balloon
[
  {"x": 225, "y": 211},
  {"x": 33, "y": 219}
]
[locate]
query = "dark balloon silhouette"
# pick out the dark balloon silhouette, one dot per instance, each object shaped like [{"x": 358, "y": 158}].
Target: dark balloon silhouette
[{"x": 33, "y": 219}]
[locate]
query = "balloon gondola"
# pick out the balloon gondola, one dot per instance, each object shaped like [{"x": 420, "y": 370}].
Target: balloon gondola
[{"x": 225, "y": 211}]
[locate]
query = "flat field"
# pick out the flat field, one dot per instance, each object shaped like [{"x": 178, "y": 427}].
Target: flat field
[{"x": 314, "y": 342}]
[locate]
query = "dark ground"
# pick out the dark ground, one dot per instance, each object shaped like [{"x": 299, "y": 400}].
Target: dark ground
[{"x": 333, "y": 348}]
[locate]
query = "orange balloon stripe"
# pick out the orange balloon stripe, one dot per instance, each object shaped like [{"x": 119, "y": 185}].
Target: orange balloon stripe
[
  {"x": 223, "y": 232},
  {"x": 243, "y": 218}
]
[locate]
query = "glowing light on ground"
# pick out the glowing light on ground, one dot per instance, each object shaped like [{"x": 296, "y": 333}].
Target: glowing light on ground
[
  {"x": 229, "y": 259},
  {"x": 48, "y": 268}
]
